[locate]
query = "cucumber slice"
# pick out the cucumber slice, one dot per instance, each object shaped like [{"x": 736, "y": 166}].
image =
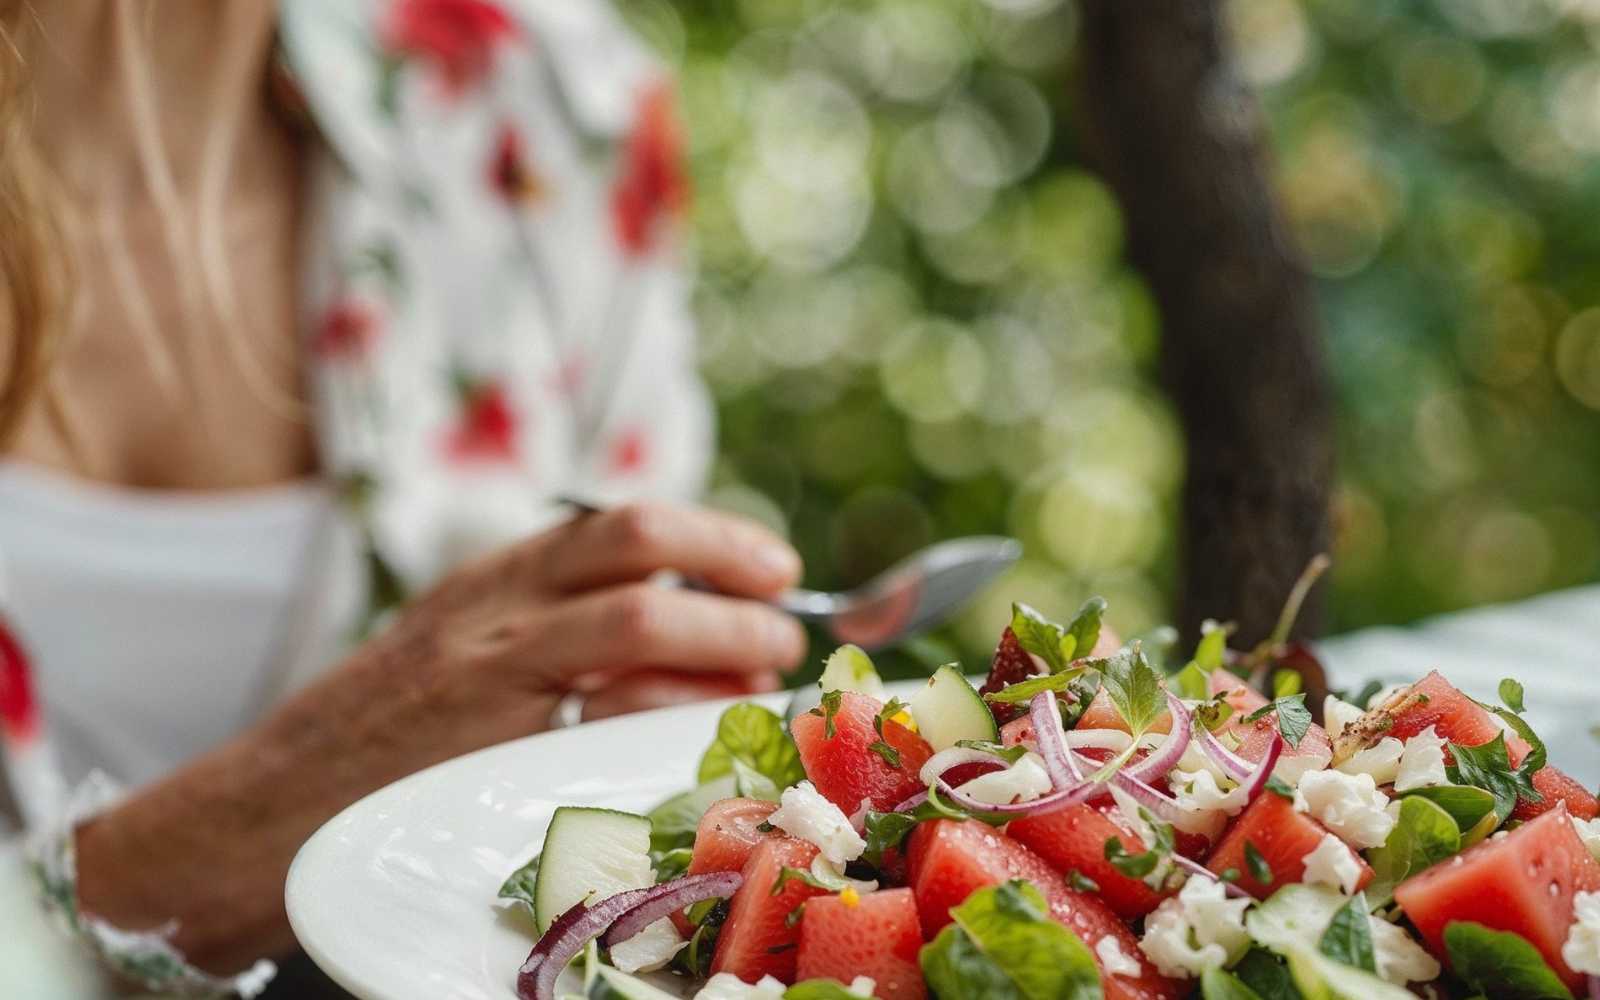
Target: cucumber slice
[
  {"x": 613, "y": 984},
  {"x": 849, "y": 668},
  {"x": 590, "y": 852},
  {"x": 949, "y": 709}
]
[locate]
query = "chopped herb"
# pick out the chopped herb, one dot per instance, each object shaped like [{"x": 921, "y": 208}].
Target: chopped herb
[
  {"x": 1488, "y": 766},
  {"x": 1278, "y": 786},
  {"x": 831, "y": 700},
  {"x": 1043, "y": 638},
  {"x": 779, "y": 949},
  {"x": 1228, "y": 875},
  {"x": 1348, "y": 938},
  {"x": 765, "y": 827},
  {"x": 1141, "y": 865},
  {"x": 1010, "y": 754},
  {"x": 889, "y": 711},
  {"x": 787, "y": 875},
  {"x": 1081, "y": 882},
  {"x": 890, "y": 755},
  {"x": 1260, "y": 870},
  {"x": 1511, "y": 694},
  {"x": 520, "y": 884},
  {"x": 794, "y": 915},
  {"x": 1294, "y": 719},
  {"x": 1023, "y": 691}
]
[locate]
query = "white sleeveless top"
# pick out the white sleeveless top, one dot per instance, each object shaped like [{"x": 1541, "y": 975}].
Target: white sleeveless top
[{"x": 164, "y": 622}]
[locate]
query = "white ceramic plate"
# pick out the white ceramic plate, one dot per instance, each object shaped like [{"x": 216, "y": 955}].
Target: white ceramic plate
[{"x": 395, "y": 897}]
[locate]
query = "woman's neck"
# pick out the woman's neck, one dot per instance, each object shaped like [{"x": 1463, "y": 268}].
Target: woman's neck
[{"x": 127, "y": 88}]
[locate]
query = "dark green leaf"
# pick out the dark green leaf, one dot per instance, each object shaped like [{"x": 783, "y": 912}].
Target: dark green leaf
[
  {"x": 1466, "y": 804},
  {"x": 1489, "y": 767},
  {"x": 831, "y": 700},
  {"x": 520, "y": 885},
  {"x": 1081, "y": 882},
  {"x": 671, "y": 864},
  {"x": 1142, "y": 864},
  {"x": 754, "y": 736},
  {"x": 819, "y": 989},
  {"x": 1216, "y": 984},
  {"x": 787, "y": 875},
  {"x": 1348, "y": 938},
  {"x": 1511, "y": 694},
  {"x": 891, "y": 709},
  {"x": 1260, "y": 870},
  {"x": 1043, "y": 637},
  {"x": 1267, "y": 975},
  {"x": 1085, "y": 625},
  {"x": 885, "y": 830},
  {"x": 1294, "y": 719},
  {"x": 1278, "y": 786},
  {"x": 1022, "y": 692},
  {"x": 1500, "y": 965},
  {"x": 1004, "y": 946},
  {"x": 1010, "y": 754},
  {"x": 1134, "y": 688},
  {"x": 673, "y": 822},
  {"x": 890, "y": 755},
  {"x": 1424, "y": 834}
]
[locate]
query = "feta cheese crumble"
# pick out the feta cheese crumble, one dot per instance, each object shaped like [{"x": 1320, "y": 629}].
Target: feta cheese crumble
[
  {"x": 804, "y": 814},
  {"x": 1589, "y": 833},
  {"x": 1397, "y": 955},
  {"x": 1422, "y": 764},
  {"x": 1113, "y": 960},
  {"x": 648, "y": 950},
  {"x": 1332, "y": 864},
  {"x": 1381, "y": 760},
  {"x": 1198, "y": 929},
  {"x": 1337, "y": 714},
  {"x": 1021, "y": 782},
  {"x": 1199, "y": 790},
  {"x": 1348, "y": 804},
  {"x": 1582, "y": 948}
]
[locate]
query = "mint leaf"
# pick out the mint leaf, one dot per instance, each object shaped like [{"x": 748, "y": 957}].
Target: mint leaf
[
  {"x": 1260, "y": 870},
  {"x": 1043, "y": 637},
  {"x": 1140, "y": 865},
  {"x": 831, "y": 700},
  {"x": 1466, "y": 804},
  {"x": 1511, "y": 694},
  {"x": 1003, "y": 945},
  {"x": 1267, "y": 975},
  {"x": 1348, "y": 938},
  {"x": 520, "y": 884},
  {"x": 820, "y": 989},
  {"x": 893, "y": 708},
  {"x": 787, "y": 875},
  {"x": 1133, "y": 687},
  {"x": 1424, "y": 834},
  {"x": 1500, "y": 965},
  {"x": 1085, "y": 625},
  {"x": 1294, "y": 719},
  {"x": 1216, "y": 984},
  {"x": 672, "y": 863},
  {"x": 1488, "y": 766},
  {"x": 1081, "y": 882},
  {"x": 1279, "y": 787},
  {"x": 673, "y": 823},
  {"x": 1022, "y": 692},
  {"x": 1537, "y": 753},
  {"x": 890, "y": 755},
  {"x": 885, "y": 830},
  {"x": 754, "y": 736}
]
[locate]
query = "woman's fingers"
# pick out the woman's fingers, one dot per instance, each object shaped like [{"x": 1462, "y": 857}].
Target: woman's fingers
[
  {"x": 731, "y": 554},
  {"x": 640, "y": 690},
  {"x": 640, "y": 624}
]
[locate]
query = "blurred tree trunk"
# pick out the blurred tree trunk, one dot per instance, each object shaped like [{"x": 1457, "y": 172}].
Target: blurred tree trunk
[{"x": 1182, "y": 142}]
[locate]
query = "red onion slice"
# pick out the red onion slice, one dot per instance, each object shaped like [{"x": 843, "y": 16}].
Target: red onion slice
[
  {"x": 1194, "y": 867},
  {"x": 1059, "y": 760},
  {"x": 1055, "y": 801},
  {"x": 669, "y": 897},
  {"x": 948, "y": 760},
  {"x": 1232, "y": 764},
  {"x": 1162, "y": 805},
  {"x": 567, "y": 936},
  {"x": 911, "y": 803},
  {"x": 1254, "y": 782},
  {"x": 1165, "y": 757}
]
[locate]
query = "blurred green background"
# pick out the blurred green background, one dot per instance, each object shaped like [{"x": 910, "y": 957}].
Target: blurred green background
[{"x": 918, "y": 320}]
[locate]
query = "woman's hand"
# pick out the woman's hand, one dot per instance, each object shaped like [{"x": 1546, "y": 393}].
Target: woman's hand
[{"x": 484, "y": 657}]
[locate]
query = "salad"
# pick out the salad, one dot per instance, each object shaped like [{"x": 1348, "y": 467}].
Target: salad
[{"x": 1087, "y": 824}]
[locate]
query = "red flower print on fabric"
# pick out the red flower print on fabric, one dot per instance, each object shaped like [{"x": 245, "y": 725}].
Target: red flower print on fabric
[
  {"x": 19, "y": 709},
  {"x": 651, "y": 183},
  {"x": 456, "y": 37},
  {"x": 348, "y": 331},
  {"x": 486, "y": 425},
  {"x": 511, "y": 176},
  {"x": 630, "y": 452}
]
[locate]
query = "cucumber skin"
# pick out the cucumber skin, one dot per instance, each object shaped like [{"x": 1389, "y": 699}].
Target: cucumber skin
[{"x": 975, "y": 723}]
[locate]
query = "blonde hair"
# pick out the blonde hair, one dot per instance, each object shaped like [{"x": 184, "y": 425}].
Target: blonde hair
[
  {"x": 31, "y": 262},
  {"x": 35, "y": 219}
]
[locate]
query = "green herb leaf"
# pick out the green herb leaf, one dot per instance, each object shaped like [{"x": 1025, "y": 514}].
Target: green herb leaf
[
  {"x": 1488, "y": 766},
  {"x": 1142, "y": 864},
  {"x": 1279, "y": 787},
  {"x": 1134, "y": 688},
  {"x": 673, "y": 823},
  {"x": 671, "y": 864},
  {"x": 1213, "y": 713},
  {"x": 1022, "y": 692},
  {"x": 1260, "y": 870},
  {"x": 1043, "y": 637},
  {"x": 1500, "y": 965},
  {"x": 1215, "y": 984},
  {"x": 1537, "y": 753},
  {"x": 1010, "y": 754},
  {"x": 1511, "y": 694},
  {"x": 1004, "y": 946},
  {"x": 1085, "y": 625},
  {"x": 1466, "y": 804},
  {"x": 1348, "y": 938},
  {"x": 885, "y": 830},
  {"x": 820, "y": 989},
  {"x": 755, "y": 737},
  {"x": 787, "y": 875},
  {"x": 1294, "y": 719},
  {"x": 890, "y": 755},
  {"x": 891, "y": 709},
  {"x": 519, "y": 885},
  {"x": 831, "y": 700},
  {"x": 1424, "y": 834},
  {"x": 1267, "y": 975},
  {"x": 1081, "y": 882}
]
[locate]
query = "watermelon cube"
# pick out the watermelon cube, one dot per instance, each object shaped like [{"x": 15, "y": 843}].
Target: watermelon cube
[
  {"x": 875, "y": 935},
  {"x": 1075, "y": 839},
  {"x": 951, "y": 860},
  {"x": 758, "y": 939},
  {"x": 1283, "y": 838},
  {"x": 728, "y": 833},
  {"x": 842, "y": 767},
  {"x": 1523, "y": 883}
]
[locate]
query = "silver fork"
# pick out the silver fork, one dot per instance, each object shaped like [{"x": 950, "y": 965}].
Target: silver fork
[{"x": 915, "y": 594}]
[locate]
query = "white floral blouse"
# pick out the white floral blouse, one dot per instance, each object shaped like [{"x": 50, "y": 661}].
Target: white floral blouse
[{"x": 495, "y": 313}]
